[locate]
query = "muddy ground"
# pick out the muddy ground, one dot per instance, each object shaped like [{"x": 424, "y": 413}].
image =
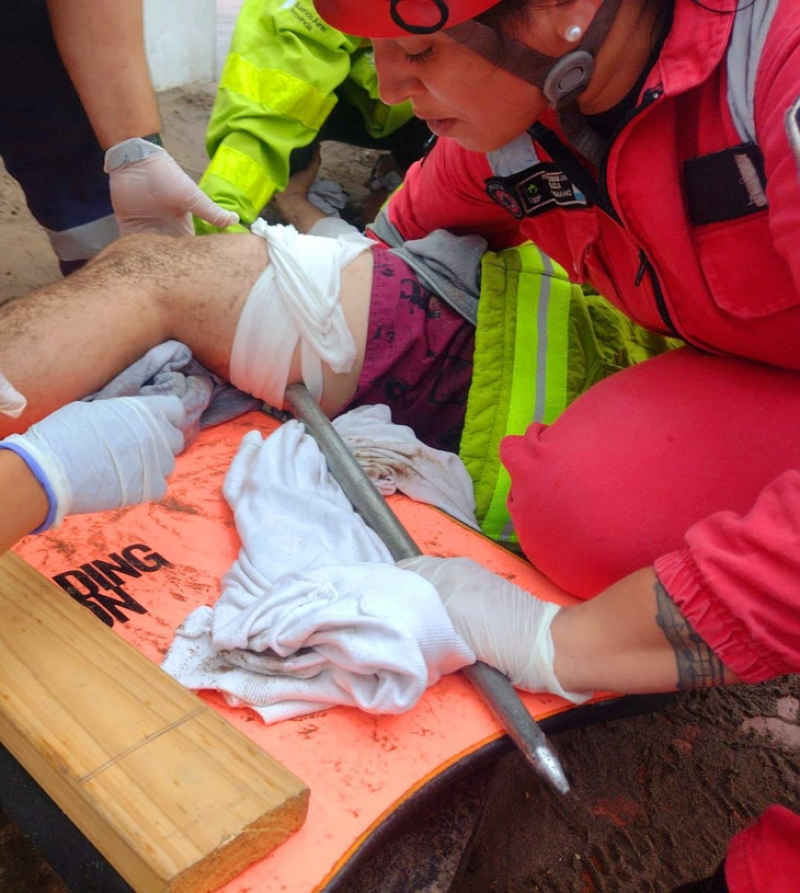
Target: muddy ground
[{"x": 656, "y": 797}]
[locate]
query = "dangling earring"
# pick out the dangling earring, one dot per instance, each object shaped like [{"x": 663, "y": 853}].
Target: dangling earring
[{"x": 573, "y": 34}]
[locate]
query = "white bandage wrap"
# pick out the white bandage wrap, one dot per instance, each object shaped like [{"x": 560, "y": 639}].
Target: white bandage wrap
[
  {"x": 12, "y": 403},
  {"x": 296, "y": 299}
]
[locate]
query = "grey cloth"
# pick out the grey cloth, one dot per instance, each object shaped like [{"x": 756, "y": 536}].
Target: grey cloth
[
  {"x": 328, "y": 196},
  {"x": 450, "y": 266},
  {"x": 169, "y": 368}
]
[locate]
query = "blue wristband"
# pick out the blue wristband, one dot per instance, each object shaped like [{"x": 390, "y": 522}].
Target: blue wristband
[{"x": 40, "y": 476}]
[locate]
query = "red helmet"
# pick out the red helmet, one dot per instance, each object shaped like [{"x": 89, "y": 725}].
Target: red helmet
[{"x": 398, "y": 18}]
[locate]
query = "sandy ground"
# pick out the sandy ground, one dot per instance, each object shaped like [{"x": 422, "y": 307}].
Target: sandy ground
[{"x": 656, "y": 797}]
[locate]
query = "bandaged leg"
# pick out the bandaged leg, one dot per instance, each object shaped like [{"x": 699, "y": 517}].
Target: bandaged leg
[{"x": 297, "y": 301}]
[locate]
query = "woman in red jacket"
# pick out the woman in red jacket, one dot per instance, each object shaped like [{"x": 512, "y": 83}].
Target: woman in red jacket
[{"x": 652, "y": 148}]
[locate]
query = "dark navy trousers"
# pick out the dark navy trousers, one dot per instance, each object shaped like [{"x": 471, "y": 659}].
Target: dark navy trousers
[{"x": 46, "y": 140}]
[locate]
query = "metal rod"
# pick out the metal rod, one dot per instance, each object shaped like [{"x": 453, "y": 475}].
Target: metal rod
[{"x": 501, "y": 697}]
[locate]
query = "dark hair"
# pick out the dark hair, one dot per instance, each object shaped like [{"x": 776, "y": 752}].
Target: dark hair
[{"x": 507, "y": 16}]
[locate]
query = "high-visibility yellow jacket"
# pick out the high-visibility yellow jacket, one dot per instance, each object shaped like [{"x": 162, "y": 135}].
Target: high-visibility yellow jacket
[
  {"x": 285, "y": 72},
  {"x": 540, "y": 342}
]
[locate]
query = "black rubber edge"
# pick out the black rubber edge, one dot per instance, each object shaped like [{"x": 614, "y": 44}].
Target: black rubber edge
[
  {"x": 81, "y": 867},
  {"x": 568, "y": 721}
]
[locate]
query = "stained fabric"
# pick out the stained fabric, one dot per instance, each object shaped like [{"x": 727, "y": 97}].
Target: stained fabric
[
  {"x": 169, "y": 368},
  {"x": 313, "y": 613}
]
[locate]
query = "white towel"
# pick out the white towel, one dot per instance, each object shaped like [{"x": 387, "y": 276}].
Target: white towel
[
  {"x": 313, "y": 613},
  {"x": 169, "y": 368},
  {"x": 394, "y": 459}
]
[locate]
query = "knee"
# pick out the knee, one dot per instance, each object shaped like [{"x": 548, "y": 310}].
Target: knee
[
  {"x": 139, "y": 255},
  {"x": 587, "y": 515},
  {"x": 152, "y": 266},
  {"x": 620, "y": 477},
  {"x": 567, "y": 513},
  {"x": 605, "y": 489}
]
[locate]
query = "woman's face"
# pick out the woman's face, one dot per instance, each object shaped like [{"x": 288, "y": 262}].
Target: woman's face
[{"x": 457, "y": 92}]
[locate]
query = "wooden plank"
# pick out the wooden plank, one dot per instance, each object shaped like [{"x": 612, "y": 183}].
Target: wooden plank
[{"x": 174, "y": 797}]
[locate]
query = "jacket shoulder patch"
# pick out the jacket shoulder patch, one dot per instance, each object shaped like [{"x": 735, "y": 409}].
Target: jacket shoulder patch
[{"x": 531, "y": 192}]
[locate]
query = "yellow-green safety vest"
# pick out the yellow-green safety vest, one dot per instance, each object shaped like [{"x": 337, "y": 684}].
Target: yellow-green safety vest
[
  {"x": 540, "y": 342},
  {"x": 285, "y": 72}
]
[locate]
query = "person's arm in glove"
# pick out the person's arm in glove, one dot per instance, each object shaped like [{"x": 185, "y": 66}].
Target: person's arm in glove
[
  {"x": 87, "y": 457},
  {"x": 151, "y": 193},
  {"x": 101, "y": 43},
  {"x": 630, "y": 638}
]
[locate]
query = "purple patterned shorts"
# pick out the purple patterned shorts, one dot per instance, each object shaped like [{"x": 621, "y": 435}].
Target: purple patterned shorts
[{"x": 418, "y": 355}]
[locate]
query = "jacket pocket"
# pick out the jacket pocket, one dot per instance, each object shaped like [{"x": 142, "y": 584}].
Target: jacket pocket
[{"x": 741, "y": 266}]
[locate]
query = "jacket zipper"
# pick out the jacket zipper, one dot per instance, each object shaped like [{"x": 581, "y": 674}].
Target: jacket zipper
[
  {"x": 567, "y": 160},
  {"x": 645, "y": 266},
  {"x": 649, "y": 98}
]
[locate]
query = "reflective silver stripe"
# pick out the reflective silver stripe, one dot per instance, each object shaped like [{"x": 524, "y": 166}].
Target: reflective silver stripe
[
  {"x": 509, "y": 533},
  {"x": 541, "y": 350},
  {"x": 751, "y": 180},
  {"x": 793, "y": 130},
  {"x": 84, "y": 241},
  {"x": 517, "y": 156},
  {"x": 750, "y": 30}
]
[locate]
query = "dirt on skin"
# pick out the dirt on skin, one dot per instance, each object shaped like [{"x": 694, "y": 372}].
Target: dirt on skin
[{"x": 656, "y": 797}]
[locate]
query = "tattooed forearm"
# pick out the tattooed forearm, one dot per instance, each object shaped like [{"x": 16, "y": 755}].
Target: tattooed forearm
[{"x": 698, "y": 666}]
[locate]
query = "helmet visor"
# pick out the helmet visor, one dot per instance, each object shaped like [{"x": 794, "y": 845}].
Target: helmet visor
[{"x": 398, "y": 18}]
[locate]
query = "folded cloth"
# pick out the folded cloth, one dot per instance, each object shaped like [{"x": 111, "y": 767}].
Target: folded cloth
[
  {"x": 170, "y": 369},
  {"x": 328, "y": 196},
  {"x": 394, "y": 460},
  {"x": 338, "y": 228},
  {"x": 12, "y": 403},
  {"x": 313, "y": 613}
]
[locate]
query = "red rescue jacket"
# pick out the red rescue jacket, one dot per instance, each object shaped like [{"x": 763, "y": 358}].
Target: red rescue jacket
[
  {"x": 765, "y": 858},
  {"x": 695, "y": 229},
  {"x": 725, "y": 278}
]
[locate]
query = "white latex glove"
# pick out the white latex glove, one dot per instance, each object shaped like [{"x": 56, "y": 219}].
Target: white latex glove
[
  {"x": 12, "y": 403},
  {"x": 92, "y": 457},
  {"x": 151, "y": 193},
  {"x": 506, "y": 627}
]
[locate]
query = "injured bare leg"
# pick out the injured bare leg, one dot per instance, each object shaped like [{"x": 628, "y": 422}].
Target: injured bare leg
[{"x": 66, "y": 341}]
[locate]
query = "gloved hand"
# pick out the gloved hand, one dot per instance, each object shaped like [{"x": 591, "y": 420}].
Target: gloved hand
[
  {"x": 506, "y": 627},
  {"x": 151, "y": 193},
  {"x": 12, "y": 403},
  {"x": 91, "y": 457}
]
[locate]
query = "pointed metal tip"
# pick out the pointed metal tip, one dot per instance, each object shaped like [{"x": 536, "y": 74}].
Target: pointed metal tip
[{"x": 546, "y": 763}]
